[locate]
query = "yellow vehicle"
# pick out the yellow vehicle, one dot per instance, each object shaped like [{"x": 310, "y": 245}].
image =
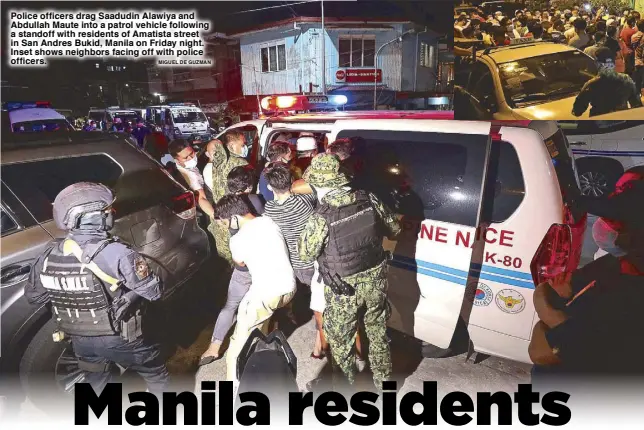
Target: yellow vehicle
[{"x": 527, "y": 79}]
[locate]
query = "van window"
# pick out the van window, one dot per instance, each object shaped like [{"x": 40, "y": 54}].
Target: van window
[
  {"x": 423, "y": 175},
  {"x": 8, "y": 225},
  {"x": 37, "y": 183},
  {"x": 509, "y": 188}
]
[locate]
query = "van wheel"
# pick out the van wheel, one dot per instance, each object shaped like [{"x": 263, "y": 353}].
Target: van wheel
[
  {"x": 598, "y": 177},
  {"x": 48, "y": 371}
]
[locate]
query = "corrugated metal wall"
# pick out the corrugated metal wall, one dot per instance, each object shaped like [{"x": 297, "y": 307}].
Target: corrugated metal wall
[{"x": 303, "y": 58}]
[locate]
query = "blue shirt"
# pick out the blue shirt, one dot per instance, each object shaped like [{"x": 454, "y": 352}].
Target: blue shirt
[{"x": 263, "y": 188}]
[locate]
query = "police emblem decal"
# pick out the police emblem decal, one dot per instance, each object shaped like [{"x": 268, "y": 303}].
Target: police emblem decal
[
  {"x": 510, "y": 301},
  {"x": 141, "y": 268},
  {"x": 483, "y": 295}
]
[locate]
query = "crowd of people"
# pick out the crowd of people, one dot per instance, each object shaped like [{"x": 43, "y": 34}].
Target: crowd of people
[
  {"x": 298, "y": 227},
  {"x": 615, "y": 39}
]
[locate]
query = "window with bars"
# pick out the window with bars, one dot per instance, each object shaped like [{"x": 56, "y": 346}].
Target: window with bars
[
  {"x": 273, "y": 58},
  {"x": 427, "y": 57},
  {"x": 357, "y": 51}
]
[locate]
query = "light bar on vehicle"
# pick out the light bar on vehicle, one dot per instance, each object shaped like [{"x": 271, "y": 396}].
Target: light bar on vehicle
[
  {"x": 181, "y": 104},
  {"x": 26, "y": 105},
  {"x": 338, "y": 99},
  {"x": 301, "y": 102},
  {"x": 285, "y": 102}
]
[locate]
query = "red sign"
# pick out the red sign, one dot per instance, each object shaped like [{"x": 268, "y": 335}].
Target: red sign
[{"x": 351, "y": 76}]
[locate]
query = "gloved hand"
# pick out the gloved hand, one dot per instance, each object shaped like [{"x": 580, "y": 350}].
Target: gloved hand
[{"x": 125, "y": 305}]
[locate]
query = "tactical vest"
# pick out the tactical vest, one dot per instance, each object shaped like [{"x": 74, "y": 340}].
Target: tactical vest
[
  {"x": 81, "y": 302},
  {"x": 355, "y": 238}
]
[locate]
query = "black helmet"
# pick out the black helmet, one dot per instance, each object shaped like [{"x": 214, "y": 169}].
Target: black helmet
[{"x": 82, "y": 206}]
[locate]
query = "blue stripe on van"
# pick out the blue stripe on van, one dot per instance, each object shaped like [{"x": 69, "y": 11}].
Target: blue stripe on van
[
  {"x": 460, "y": 276},
  {"x": 509, "y": 281},
  {"x": 609, "y": 153},
  {"x": 504, "y": 272},
  {"x": 427, "y": 272},
  {"x": 431, "y": 266}
]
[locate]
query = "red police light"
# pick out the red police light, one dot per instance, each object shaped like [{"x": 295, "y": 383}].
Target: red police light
[{"x": 286, "y": 102}]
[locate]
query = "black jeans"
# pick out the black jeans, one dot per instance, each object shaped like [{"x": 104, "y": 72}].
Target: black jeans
[{"x": 139, "y": 356}]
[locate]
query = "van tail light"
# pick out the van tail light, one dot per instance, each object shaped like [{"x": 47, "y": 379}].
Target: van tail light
[
  {"x": 560, "y": 249},
  {"x": 183, "y": 205}
]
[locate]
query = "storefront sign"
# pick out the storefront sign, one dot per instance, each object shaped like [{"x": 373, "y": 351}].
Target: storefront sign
[{"x": 351, "y": 76}]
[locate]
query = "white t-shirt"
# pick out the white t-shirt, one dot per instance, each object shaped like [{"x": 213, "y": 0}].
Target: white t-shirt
[
  {"x": 260, "y": 245},
  {"x": 193, "y": 177},
  {"x": 207, "y": 176}
]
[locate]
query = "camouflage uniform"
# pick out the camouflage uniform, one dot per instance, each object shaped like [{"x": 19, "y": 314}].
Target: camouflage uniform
[
  {"x": 223, "y": 163},
  {"x": 341, "y": 313}
]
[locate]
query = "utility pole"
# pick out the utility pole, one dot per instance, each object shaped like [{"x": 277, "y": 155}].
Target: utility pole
[
  {"x": 323, "y": 53},
  {"x": 375, "y": 63}
]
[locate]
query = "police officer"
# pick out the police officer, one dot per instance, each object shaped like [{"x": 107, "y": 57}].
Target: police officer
[
  {"x": 345, "y": 236},
  {"x": 96, "y": 286},
  {"x": 607, "y": 92},
  {"x": 225, "y": 158}
]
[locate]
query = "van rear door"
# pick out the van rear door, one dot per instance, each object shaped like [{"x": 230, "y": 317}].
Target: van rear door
[{"x": 432, "y": 178}]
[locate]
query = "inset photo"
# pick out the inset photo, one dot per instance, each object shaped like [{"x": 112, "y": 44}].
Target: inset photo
[{"x": 549, "y": 59}]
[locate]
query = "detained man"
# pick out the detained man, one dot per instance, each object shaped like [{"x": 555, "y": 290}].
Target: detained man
[
  {"x": 241, "y": 181},
  {"x": 186, "y": 159},
  {"x": 258, "y": 245}
]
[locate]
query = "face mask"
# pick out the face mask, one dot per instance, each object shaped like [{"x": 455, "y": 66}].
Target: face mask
[
  {"x": 233, "y": 227},
  {"x": 190, "y": 164},
  {"x": 244, "y": 152}
]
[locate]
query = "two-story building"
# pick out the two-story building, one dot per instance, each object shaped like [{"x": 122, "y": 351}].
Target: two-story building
[{"x": 397, "y": 58}]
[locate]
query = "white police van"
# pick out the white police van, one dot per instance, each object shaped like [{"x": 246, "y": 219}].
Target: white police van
[
  {"x": 104, "y": 117},
  {"x": 476, "y": 201},
  {"x": 26, "y": 117},
  {"x": 179, "y": 120},
  {"x": 603, "y": 150}
]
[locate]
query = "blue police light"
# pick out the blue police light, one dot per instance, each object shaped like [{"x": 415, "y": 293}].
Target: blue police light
[
  {"x": 26, "y": 105},
  {"x": 181, "y": 104},
  {"x": 338, "y": 99}
]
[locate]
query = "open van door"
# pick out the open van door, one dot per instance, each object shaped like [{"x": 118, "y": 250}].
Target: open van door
[{"x": 433, "y": 179}]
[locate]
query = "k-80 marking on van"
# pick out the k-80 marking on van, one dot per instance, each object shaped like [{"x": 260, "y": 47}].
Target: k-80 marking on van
[{"x": 476, "y": 201}]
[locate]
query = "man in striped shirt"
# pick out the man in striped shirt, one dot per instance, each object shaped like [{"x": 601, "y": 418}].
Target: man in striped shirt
[{"x": 290, "y": 212}]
